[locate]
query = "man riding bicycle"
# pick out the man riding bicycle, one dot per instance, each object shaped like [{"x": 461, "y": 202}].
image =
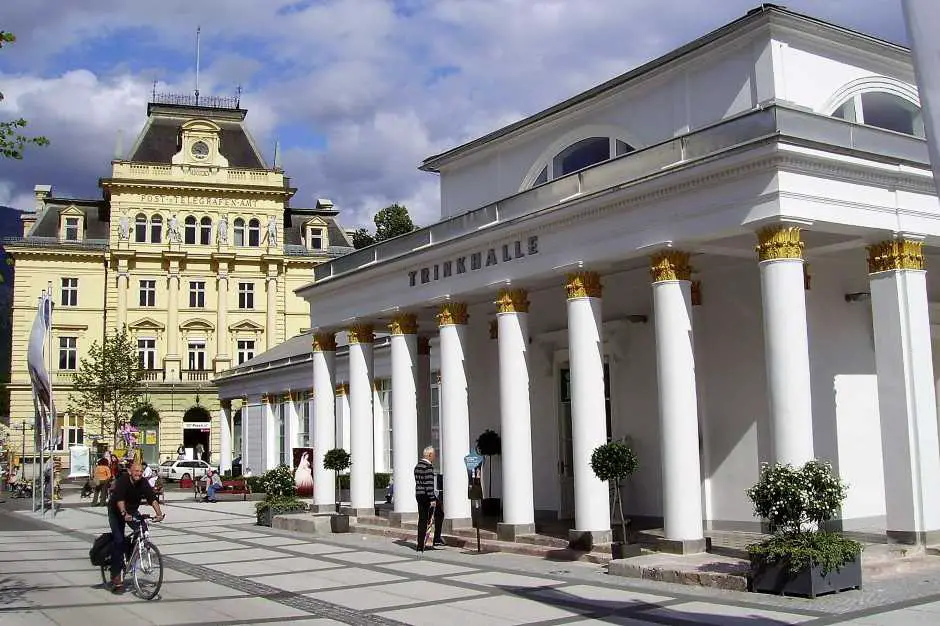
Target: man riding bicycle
[{"x": 129, "y": 490}]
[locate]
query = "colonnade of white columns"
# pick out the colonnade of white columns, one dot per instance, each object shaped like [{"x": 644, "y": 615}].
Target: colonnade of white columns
[{"x": 906, "y": 395}]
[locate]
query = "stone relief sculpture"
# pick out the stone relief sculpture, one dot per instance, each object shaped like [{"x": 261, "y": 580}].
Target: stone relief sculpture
[
  {"x": 173, "y": 230},
  {"x": 272, "y": 231},
  {"x": 221, "y": 230},
  {"x": 124, "y": 228}
]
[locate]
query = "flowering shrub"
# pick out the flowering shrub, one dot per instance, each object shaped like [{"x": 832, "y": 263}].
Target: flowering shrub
[
  {"x": 795, "y": 502},
  {"x": 278, "y": 483}
]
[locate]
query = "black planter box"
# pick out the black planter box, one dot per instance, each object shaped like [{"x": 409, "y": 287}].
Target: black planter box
[
  {"x": 808, "y": 582},
  {"x": 492, "y": 507},
  {"x": 339, "y": 523}
]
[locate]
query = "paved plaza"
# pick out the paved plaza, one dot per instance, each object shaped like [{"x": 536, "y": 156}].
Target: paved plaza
[{"x": 222, "y": 569}]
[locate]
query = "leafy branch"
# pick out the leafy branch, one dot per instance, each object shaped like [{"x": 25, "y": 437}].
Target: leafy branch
[{"x": 12, "y": 141}]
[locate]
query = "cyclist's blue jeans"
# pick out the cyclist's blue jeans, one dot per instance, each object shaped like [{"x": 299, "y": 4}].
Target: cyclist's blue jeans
[{"x": 117, "y": 542}]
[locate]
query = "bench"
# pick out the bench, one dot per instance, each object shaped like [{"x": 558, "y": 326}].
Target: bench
[{"x": 237, "y": 487}]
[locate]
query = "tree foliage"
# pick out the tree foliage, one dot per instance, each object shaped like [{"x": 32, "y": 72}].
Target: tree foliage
[
  {"x": 390, "y": 222},
  {"x": 12, "y": 141},
  {"x": 108, "y": 385}
]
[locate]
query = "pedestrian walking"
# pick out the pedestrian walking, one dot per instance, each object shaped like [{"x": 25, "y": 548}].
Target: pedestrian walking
[{"x": 429, "y": 501}]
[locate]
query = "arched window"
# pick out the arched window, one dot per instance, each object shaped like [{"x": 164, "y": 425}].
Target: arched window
[
  {"x": 580, "y": 155},
  {"x": 239, "y": 231},
  {"x": 205, "y": 230},
  {"x": 156, "y": 229},
  {"x": 140, "y": 228},
  {"x": 882, "y": 110},
  {"x": 254, "y": 233},
  {"x": 189, "y": 235}
]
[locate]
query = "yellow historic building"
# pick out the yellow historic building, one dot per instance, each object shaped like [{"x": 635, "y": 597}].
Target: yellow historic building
[{"x": 193, "y": 246}]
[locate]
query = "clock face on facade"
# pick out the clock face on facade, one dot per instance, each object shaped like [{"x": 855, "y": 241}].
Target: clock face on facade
[{"x": 200, "y": 150}]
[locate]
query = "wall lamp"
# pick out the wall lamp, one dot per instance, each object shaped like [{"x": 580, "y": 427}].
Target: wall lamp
[{"x": 858, "y": 296}]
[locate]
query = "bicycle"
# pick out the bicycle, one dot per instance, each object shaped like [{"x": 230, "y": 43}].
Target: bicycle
[{"x": 142, "y": 560}]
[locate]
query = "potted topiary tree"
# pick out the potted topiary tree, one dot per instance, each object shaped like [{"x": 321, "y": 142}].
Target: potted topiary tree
[
  {"x": 280, "y": 496},
  {"x": 338, "y": 460},
  {"x": 801, "y": 558},
  {"x": 613, "y": 462},
  {"x": 489, "y": 445}
]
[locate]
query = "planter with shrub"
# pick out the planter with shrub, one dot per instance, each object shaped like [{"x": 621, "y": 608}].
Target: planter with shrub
[
  {"x": 280, "y": 498},
  {"x": 613, "y": 462},
  {"x": 801, "y": 558},
  {"x": 338, "y": 460}
]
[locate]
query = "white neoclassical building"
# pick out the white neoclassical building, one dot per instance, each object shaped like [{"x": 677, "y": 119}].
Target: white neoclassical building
[{"x": 718, "y": 256}]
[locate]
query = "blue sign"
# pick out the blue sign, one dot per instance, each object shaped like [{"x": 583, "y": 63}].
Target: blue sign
[{"x": 473, "y": 461}]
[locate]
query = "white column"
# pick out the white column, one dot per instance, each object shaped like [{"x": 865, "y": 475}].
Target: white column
[
  {"x": 678, "y": 406},
  {"x": 361, "y": 479},
  {"x": 379, "y": 430},
  {"x": 518, "y": 501},
  {"x": 906, "y": 393},
  {"x": 293, "y": 429},
  {"x": 404, "y": 349},
  {"x": 271, "y": 432},
  {"x": 323, "y": 419},
  {"x": 342, "y": 417},
  {"x": 225, "y": 436},
  {"x": 270, "y": 330},
  {"x": 780, "y": 252},
  {"x": 423, "y": 393},
  {"x": 588, "y": 409},
  {"x": 455, "y": 413}
]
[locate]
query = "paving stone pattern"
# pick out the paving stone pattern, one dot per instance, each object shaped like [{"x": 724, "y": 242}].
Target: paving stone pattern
[{"x": 221, "y": 569}]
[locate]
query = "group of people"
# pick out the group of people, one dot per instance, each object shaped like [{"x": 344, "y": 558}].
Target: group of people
[{"x": 107, "y": 470}]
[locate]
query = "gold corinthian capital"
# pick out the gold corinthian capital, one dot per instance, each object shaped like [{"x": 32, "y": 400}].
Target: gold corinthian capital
[
  {"x": 670, "y": 265},
  {"x": 512, "y": 301},
  {"x": 453, "y": 314},
  {"x": 583, "y": 285},
  {"x": 896, "y": 254},
  {"x": 404, "y": 324},
  {"x": 361, "y": 333},
  {"x": 324, "y": 342},
  {"x": 779, "y": 242}
]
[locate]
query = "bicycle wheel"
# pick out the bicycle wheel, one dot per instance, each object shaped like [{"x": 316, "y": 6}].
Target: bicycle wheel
[{"x": 146, "y": 567}]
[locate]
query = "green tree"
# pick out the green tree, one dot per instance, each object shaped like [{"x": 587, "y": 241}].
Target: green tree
[
  {"x": 108, "y": 385},
  {"x": 12, "y": 141},
  {"x": 390, "y": 222}
]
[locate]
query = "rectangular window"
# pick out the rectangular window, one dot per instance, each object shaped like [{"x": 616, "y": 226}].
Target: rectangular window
[
  {"x": 69, "y": 292},
  {"x": 246, "y": 295},
  {"x": 316, "y": 239},
  {"x": 68, "y": 353},
  {"x": 71, "y": 229},
  {"x": 286, "y": 452},
  {"x": 435, "y": 412},
  {"x": 197, "y": 294},
  {"x": 197, "y": 355},
  {"x": 383, "y": 389},
  {"x": 246, "y": 350},
  {"x": 72, "y": 432},
  {"x": 147, "y": 354},
  {"x": 303, "y": 420},
  {"x": 148, "y": 293}
]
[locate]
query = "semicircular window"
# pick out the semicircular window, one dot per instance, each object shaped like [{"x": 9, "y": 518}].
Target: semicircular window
[
  {"x": 883, "y": 110},
  {"x": 580, "y": 155}
]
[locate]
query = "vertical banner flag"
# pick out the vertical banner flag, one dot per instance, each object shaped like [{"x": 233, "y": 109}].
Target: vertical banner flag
[
  {"x": 923, "y": 25},
  {"x": 38, "y": 374}
]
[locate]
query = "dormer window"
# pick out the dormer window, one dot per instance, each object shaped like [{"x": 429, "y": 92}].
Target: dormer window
[
  {"x": 316, "y": 238},
  {"x": 71, "y": 229}
]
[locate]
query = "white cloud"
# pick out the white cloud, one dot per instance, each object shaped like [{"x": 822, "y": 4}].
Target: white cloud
[{"x": 386, "y": 84}]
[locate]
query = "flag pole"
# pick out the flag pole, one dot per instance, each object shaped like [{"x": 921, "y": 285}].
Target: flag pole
[
  {"x": 42, "y": 429},
  {"x": 53, "y": 418}
]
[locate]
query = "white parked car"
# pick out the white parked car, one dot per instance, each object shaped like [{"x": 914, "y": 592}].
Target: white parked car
[{"x": 184, "y": 470}]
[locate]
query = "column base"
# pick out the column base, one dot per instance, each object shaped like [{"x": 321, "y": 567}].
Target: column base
[
  {"x": 509, "y": 532},
  {"x": 585, "y": 540},
  {"x": 450, "y": 525},
  {"x": 683, "y": 546},
  {"x": 395, "y": 519},
  {"x": 363, "y": 512},
  {"x": 914, "y": 537},
  {"x": 323, "y": 508}
]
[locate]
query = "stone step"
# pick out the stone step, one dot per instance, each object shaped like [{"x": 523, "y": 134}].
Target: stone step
[{"x": 489, "y": 545}]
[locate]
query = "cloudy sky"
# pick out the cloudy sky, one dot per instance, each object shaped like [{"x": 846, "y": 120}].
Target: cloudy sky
[{"x": 358, "y": 92}]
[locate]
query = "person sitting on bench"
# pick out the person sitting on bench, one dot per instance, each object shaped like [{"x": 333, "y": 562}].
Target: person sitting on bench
[{"x": 215, "y": 484}]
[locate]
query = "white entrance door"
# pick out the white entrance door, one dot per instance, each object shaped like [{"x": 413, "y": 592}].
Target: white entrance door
[{"x": 565, "y": 448}]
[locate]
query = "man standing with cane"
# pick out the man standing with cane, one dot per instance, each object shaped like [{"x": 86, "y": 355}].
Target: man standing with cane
[{"x": 428, "y": 500}]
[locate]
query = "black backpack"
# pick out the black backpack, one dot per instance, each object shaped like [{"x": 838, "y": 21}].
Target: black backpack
[{"x": 100, "y": 552}]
